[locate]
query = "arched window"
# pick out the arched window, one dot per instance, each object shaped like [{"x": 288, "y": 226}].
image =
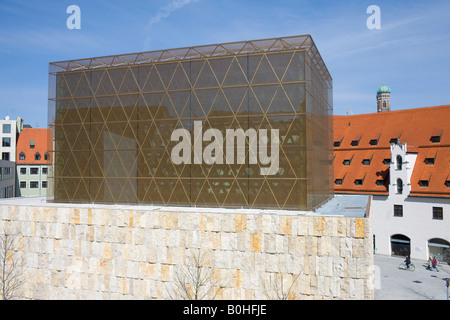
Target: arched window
[
  {"x": 439, "y": 248},
  {"x": 399, "y": 162},
  {"x": 399, "y": 186},
  {"x": 384, "y": 104},
  {"x": 37, "y": 156},
  {"x": 22, "y": 156},
  {"x": 400, "y": 245},
  {"x": 46, "y": 156}
]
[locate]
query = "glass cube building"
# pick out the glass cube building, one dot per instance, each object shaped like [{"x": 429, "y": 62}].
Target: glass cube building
[{"x": 114, "y": 118}]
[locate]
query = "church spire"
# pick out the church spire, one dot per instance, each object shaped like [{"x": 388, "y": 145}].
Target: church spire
[{"x": 383, "y": 98}]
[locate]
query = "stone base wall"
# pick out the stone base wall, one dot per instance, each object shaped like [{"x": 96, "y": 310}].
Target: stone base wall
[{"x": 113, "y": 253}]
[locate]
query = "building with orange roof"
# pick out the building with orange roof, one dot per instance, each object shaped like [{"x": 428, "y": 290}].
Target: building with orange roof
[
  {"x": 33, "y": 162},
  {"x": 402, "y": 158}
]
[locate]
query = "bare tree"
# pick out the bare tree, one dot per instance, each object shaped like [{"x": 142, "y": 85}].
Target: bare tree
[
  {"x": 195, "y": 281},
  {"x": 281, "y": 286},
  {"x": 11, "y": 275}
]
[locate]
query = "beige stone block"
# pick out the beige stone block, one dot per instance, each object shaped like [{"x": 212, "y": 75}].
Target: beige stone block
[
  {"x": 341, "y": 227},
  {"x": 255, "y": 239},
  {"x": 280, "y": 243},
  {"x": 165, "y": 272},
  {"x": 318, "y": 226},
  {"x": 360, "y": 230},
  {"x": 240, "y": 222},
  {"x": 285, "y": 225},
  {"x": 324, "y": 246},
  {"x": 269, "y": 243},
  {"x": 303, "y": 226},
  {"x": 311, "y": 245},
  {"x": 358, "y": 248},
  {"x": 267, "y": 223},
  {"x": 75, "y": 216},
  {"x": 226, "y": 223}
]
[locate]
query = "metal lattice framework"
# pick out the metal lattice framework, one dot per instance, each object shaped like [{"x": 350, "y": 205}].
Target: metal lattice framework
[{"x": 113, "y": 118}]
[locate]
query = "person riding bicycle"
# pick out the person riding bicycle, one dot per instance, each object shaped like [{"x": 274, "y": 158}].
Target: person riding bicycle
[{"x": 407, "y": 262}]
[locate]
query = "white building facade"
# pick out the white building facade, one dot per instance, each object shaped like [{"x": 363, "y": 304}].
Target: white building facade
[
  {"x": 8, "y": 134},
  {"x": 406, "y": 224}
]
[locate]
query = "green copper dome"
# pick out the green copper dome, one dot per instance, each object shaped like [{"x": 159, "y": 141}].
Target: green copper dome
[{"x": 383, "y": 89}]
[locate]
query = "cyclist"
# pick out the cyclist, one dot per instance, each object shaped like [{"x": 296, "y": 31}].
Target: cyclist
[{"x": 407, "y": 262}]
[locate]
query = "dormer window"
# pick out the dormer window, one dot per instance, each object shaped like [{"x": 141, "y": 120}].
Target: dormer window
[
  {"x": 32, "y": 144},
  {"x": 373, "y": 142},
  {"x": 429, "y": 161},
  {"x": 338, "y": 182},
  {"x": 347, "y": 162},
  {"x": 337, "y": 144},
  {"x": 46, "y": 156},
  {"x": 387, "y": 162},
  {"x": 366, "y": 162},
  {"x": 380, "y": 183},
  {"x": 358, "y": 182},
  {"x": 423, "y": 183},
  {"x": 435, "y": 139},
  {"x": 393, "y": 140},
  {"x": 447, "y": 183},
  {"x": 355, "y": 143},
  {"x": 37, "y": 156},
  {"x": 21, "y": 156}
]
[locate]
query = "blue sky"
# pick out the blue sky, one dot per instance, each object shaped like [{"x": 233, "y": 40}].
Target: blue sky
[{"x": 410, "y": 53}]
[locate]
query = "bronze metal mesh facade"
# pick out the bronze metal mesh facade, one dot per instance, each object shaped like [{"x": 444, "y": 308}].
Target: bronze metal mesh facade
[{"x": 113, "y": 118}]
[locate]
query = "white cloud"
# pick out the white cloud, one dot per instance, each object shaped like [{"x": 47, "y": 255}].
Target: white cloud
[
  {"x": 164, "y": 13},
  {"x": 167, "y": 10}
]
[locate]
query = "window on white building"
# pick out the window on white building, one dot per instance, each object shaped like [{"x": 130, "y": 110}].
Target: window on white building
[
  {"x": 398, "y": 210},
  {"x": 34, "y": 184},
  {"x": 23, "y": 184},
  {"x": 399, "y": 186},
  {"x": 438, "y": 213},
  {"x": 6, "y": 142},
  {"x": 6, "y": 128},
  {"x": 399, "y": 162}
]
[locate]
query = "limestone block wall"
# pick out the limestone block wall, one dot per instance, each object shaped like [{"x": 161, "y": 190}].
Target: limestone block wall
[{"x": 116, "y": 253}]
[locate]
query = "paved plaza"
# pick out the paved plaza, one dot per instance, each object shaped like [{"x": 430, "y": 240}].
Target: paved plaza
[{"x": 391, "y": 283}]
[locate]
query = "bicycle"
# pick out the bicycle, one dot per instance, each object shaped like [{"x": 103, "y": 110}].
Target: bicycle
[{"x": 402, "y": 266}]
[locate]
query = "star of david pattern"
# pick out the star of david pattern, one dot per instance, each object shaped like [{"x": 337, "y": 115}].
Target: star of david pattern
[{"x": 113, "y": 118}]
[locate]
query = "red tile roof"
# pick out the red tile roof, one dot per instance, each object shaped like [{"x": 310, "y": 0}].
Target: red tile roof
[
  {"x": 413, "y": 126},
  {"x": 42, "y": 143}
]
